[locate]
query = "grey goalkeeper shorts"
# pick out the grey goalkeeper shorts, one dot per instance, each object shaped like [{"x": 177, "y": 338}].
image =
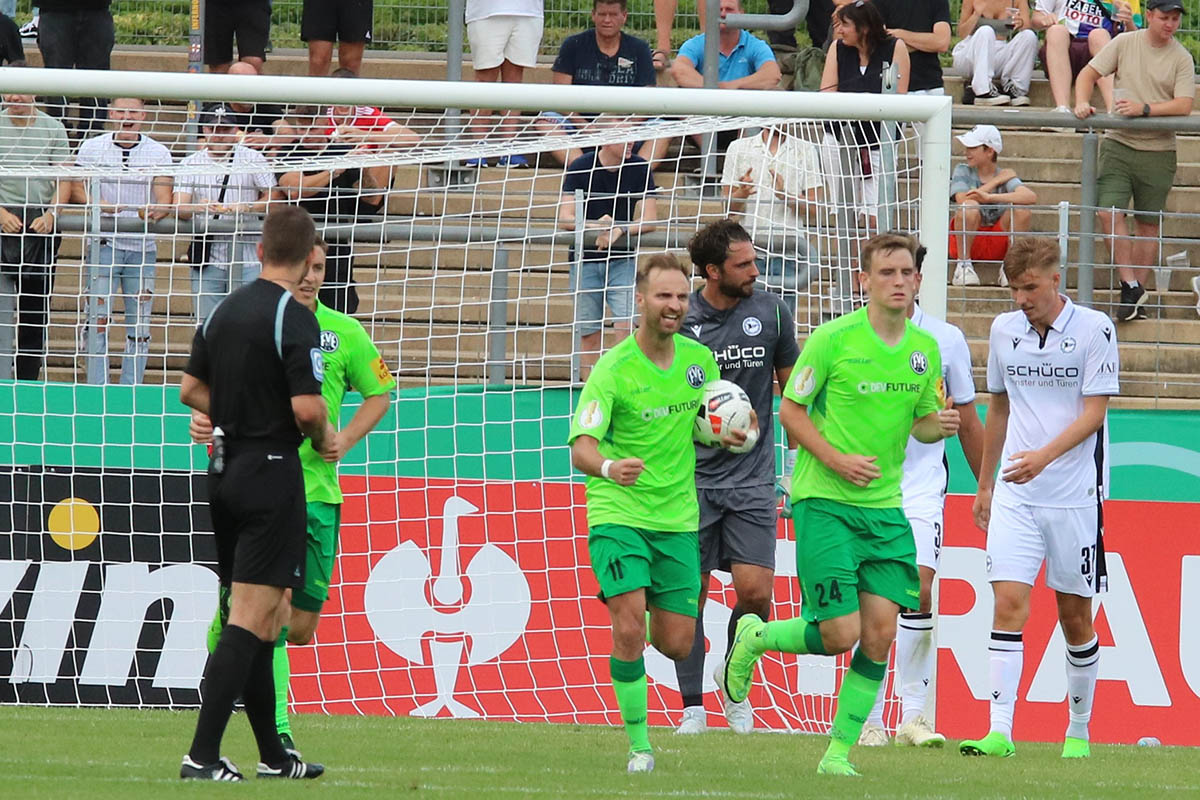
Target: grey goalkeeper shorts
[{"x": 737, "y": 526}]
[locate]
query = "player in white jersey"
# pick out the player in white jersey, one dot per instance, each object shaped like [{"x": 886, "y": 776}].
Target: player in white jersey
[
  {"x": 924, "y": 485},
  {"x": 1052, "y": 365}
]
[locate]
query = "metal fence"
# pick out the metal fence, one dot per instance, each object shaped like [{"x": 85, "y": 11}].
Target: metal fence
[{"x": 421, "y": 25}]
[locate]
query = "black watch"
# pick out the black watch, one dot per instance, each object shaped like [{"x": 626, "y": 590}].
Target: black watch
[{"x": 1145, "y": 109}]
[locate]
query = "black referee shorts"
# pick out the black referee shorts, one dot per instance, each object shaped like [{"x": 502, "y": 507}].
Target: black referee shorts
[
  {"x": 248, "y": 20},
  {"x": 337, "y": 21},
  {"x": 258, "y": 515}
]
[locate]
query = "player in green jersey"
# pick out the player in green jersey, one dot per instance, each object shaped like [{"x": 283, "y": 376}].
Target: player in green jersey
[
  {"x": 632, "y": 436},
  {"x": 862, "y": 383},
  {"x": 351, "y": 361}
]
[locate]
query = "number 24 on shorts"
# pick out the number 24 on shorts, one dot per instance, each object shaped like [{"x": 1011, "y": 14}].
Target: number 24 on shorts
[{"x": 828, "y": 593}]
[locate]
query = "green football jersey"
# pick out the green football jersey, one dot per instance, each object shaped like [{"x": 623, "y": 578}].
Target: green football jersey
[
  {"x": 863, "y": 397},
  {"x": 351, "y": 361},
  {"x": 636, "y": 410}
]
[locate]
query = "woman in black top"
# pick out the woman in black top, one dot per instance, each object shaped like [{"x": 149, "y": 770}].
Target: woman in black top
[{"x": 855, "y": 63}]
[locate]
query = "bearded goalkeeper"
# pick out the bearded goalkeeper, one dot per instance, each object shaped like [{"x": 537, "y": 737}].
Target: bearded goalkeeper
[{"x": 351, "y": 361}]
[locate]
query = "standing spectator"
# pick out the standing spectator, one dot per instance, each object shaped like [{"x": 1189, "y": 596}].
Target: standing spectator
[
  {"x": 773, "y": 184},
  {"x": 11, "y": 49},
  {"x": 505, "y": 36},
  {"x": 77, "y": 34},
  {"x": 602, "y": 56},
  {"x": 619, "y": 201},
  {"x": 27, "y": 245},
  {"x": 347, "y": 22},
  {"x": 238, "y": 184},
  {"x": 1076, "y": 30},
  {"x": 248, "y": 20},
  {"x": 985, "y": 58},
  {"x": 987, "y": 196},
  {"x": 126, "y": 262},
  {"x": 264, "y": 128},
  {"x": 1154, "y": 73},
  {"x": 746, "y": 62},
  {"x": 924, "y": 27},
  {"x": 855, "y": 63},
  {"x": 816, "y": 21}
]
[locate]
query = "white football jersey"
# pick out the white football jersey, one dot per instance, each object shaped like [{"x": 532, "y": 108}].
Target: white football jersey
[
  {"x": 924, "y": 481},
  {"x": 1046, "y": 381}
]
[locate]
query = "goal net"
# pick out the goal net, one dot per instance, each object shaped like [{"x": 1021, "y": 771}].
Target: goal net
[{"x": 472, "y": 248}]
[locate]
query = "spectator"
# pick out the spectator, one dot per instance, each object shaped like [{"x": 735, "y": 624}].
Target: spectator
[
  {"x": 77, "y": 34},
  {"x": 238, "y": 183},
  {"x": 985, "y": 58},
  {"x": 773, "y": 184},
  {"x": 366, "y": 127},
  {"x": 602, "y": 56},
  {"x": 924, "y": 27},
  {"x": 27, "y": 245},
  {"x": 263, "y": 125},
  {"x": 332, "y": 195},
  {"x": 987, "y": 196},
  {"x": 1076, "y": 30},
  {"x": 505, "y": 36},
  {"x": 248, "y": 20},
  {"x": 855, "y": 64},
  {"x": 126, "y": 262},
  {"x": 11, "y": 49},
  {"x": 1154, "y": 78},
  {"x": 816, "y": 21},
  {"x": 745, "y": 61},
  {"x": 619, "y": 202},
  {"x": 347, "y": 22}
]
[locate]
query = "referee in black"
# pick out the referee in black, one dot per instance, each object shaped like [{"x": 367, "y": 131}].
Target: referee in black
[{"x": 256, "y": 370}]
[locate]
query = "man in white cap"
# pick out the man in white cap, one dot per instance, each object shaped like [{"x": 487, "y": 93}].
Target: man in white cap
[{"x": 988, "y": 198}]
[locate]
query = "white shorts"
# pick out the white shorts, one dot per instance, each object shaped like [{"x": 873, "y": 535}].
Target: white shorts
[
  {"x": 865, "y": 202},
  {"x": 505, "y": 37},
  {"x": 927, "y": 534},
  {"x": 1069, "y": 540}
]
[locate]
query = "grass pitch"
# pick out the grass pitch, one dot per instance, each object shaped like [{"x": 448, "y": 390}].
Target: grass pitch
[{"x": 99, "y": 754}]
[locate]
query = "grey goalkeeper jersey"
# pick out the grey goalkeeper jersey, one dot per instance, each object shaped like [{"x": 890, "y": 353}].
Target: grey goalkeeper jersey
[{"x": 750, "y": 340}]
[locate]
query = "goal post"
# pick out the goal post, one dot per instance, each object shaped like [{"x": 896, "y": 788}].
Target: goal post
[{"x": 462, "y": 587}]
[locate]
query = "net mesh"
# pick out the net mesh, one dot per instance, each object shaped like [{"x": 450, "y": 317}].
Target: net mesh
[{"x": 462, "y": 586}]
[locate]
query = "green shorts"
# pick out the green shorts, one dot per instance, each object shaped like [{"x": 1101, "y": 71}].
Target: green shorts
[
  {"x": 321, "y": 552},
  {"x": 842, "y": 550},
  {"x": 1145, "y": 176},
  {"x": 664, "y": 563}
]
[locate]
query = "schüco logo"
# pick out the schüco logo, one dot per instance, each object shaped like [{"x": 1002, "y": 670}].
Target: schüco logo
[
  {"x": 884, "y": 387},
  {"x": 1041, "y": 371},
  {"x": 736, "y": 352}
]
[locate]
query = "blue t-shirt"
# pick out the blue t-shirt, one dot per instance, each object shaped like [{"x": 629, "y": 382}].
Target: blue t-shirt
[
  {"x": 745, "y": 60},
  {"x": 580, "y": 57},
  {"x": 615, "y": 192}
]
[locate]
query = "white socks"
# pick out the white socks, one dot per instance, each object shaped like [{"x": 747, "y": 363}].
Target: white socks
[
  {"x": 1083, "y": 664},
  {"x": 1007, "y": 654},
  {"x": 914, "y": 663}
]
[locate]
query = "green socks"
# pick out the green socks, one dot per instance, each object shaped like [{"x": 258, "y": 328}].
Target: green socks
[
  {"x": 857, "y": 696},
  {"x": 793, "y": 635},
  {"x": 283, "y": 674},
  {"x": 629, "y": 684}
]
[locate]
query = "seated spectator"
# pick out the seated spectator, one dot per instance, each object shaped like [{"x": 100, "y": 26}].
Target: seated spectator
[
  {"x": 11, "y": 49},
  {"x": 263, "y": 126},
  {"x": 988, "y": 198},
  {"x": 238, "y": 184},
  {"x": 986, "y": 58},
  {"x": 855, "y": 64},
  {"x": 505, "y": 36},
  {"x": 347, "y": 22},
  {"x": 1076, "y": 30},
  {"x": 127, "y": 262},
  {"x": 924, "y": 27},
  {"x": 619, "y": 202},
  {"x": 248, "y": 20},
  {"x": 746, "y": 62},
  {"x": 331, "y": 195},
  {"x": 773, "y": 184},
  {"x": 77, "y": 34},
  {"x": 28, "y": 246},
  {"x": 367, "y": 127},
  {"x": 602, "y": 56}
]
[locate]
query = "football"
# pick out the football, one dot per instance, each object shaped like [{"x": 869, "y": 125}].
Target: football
[{"x": 724, "y": 406}]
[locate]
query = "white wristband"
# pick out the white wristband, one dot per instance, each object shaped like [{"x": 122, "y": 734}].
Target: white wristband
[
  {"x": 608, "y": 462},
  {"x": 789, "y": 462}
]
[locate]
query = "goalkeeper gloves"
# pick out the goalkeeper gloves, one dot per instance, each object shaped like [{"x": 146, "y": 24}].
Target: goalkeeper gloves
[{"x": 783, "y": 487}]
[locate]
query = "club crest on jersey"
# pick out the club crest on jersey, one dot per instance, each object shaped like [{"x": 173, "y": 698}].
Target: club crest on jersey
[
  {"x": 590, "y": 416},
  {"x": 695, "y": 376},
  {"x": 329, "y": 341},
  {"x": 918, "y": 362},
  {"x": 1067, "y": 345},
  {"x": 752, "y": 326},
  {"x": 806, "y": 381}
]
